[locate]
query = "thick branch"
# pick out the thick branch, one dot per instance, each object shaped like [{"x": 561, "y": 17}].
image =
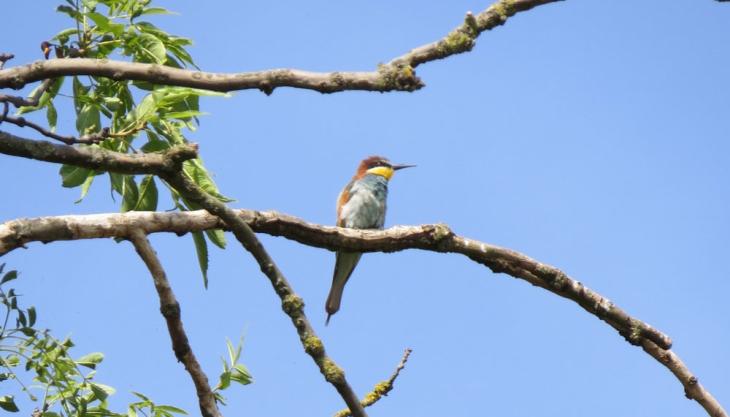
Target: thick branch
[
  {"x": 438, "y": 238},
  {"x": 291, "y": 303},
  {"x": 97, "y": 158},
  {"x": 397, "y": 75},
  {"x": 170, "y": 309}
]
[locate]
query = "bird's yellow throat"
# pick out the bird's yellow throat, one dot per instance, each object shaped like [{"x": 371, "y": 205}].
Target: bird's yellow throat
[{"x": 386, "y": 172}]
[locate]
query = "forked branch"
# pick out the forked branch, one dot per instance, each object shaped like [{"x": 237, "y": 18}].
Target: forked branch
[
  {"x": 437, "y": 238},
  {"x": 396, "y": 75},
  {"x": 291, "y": 303}
]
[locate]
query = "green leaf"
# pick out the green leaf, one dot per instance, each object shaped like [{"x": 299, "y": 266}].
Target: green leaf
[
  {"x": 112, "y": 103},
  {"x": 88, "y": 119},
  {"x": 101, "y": 391},
  {"x": 28, "y": 331},
  {"x": 90, "y": 360},
  {"x": 9, "y": 276},
  {"x": 102, "y": 22},
  {"x": 199, "y": 175},
  {"x": 80, "y": 92},
  {"x": 201, "y": 249},
  {"x": 63, "y": 35},
  {"x": 31, "y": 316},
  {"x": 150, "y": 47},
  {"x": 171, "y": 409},
  {"x": 240, "y": 374},
  {"x": 143, "y": 397},
  {"x": 147, "y": 195},
  {"x": 22, "y": 321},
  {"x": 51, "y": 116},
  {"x": 144, "y": 111},
  {"x": 186, "y": 114},
  {"x": 224, "y": 381},
  {"x": 217, "y": 236},
  {"x": 129, "y": 192},
  {"x": 85, "y": 187},
  {"x": 155, "y": 10},
  {"x": 73, "y": 176},
  {"x": 69, "y": 11},
  {"x": 7, "y": 403},
  {"x": 105, "y": 25},
  {"x": 155, "y": 145},
  {"x": 45, "y": 98}
]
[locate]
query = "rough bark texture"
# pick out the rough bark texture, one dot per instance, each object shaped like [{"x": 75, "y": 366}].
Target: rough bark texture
[
  {"x": 437, "y": 238},
  {"x": 97, "y": 158},
  {"x": 396, "y": 75}
]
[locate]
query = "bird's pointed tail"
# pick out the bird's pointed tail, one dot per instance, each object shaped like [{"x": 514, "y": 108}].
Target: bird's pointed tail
[{"x": 344, "y": 265}]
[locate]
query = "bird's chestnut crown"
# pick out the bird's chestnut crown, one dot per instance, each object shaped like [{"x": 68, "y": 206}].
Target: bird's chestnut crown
[{"x": 377, "y": 165}]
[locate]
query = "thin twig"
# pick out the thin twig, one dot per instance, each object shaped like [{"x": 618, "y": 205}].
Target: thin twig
[
  {"x": 170, "y": 309},
  {"x": 31, "y": 101},
  {"x": 396, "y": 75},
  {"x": 437, "y": 238},
  {"x": 89, "y": 139},
  {"x": 5, "y": 57},
  {"x": 381, "y": 389}
]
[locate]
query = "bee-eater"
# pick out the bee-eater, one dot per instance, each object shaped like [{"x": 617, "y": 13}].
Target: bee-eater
[{"x": 360, "y": 205}]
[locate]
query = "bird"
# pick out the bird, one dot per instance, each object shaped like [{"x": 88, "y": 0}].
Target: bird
[{"x": 360, "y": 205}]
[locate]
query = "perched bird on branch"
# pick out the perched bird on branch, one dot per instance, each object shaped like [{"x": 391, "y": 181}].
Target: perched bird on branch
[{"x": 361, "y": 205}]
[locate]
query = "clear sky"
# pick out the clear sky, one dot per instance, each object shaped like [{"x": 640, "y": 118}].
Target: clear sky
[{"x": 591, "y": 135}]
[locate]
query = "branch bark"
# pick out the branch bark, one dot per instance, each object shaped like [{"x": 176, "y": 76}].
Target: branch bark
[
  {"x": 437, "y": 238},
  {"x": 95, "y": 157},
  {"x": 396, "y": 75},
  {"x": 170, "y": 309}
]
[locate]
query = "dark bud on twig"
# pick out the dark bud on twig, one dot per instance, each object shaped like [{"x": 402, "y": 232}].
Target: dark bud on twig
[
  {"x": 4, "y": 57},
  {"x": 46, "y": 48}
]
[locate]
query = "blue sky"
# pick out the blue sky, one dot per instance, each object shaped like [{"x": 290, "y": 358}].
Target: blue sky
[{"x": 590, "y": 135}]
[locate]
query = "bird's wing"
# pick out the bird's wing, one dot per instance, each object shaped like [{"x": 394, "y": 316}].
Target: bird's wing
[{"x": 342, "y": 199}]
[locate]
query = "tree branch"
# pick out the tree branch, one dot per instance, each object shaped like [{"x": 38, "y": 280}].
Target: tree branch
[
  {"x": 397, "y": 75},
  {"x": 381, "y": 389},
  {"x": 692, "y": 388},
  {"x": 170, "y": 309},
  {"x": 95, "y": 157},
  {"x": 31, "y": 101},
  {"x": 68, "y": 140},
  {"x": 437, "y": 238},
  {"x": 291, "y": 303}
]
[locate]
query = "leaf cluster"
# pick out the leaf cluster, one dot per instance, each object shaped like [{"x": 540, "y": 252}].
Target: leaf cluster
[
  {"x": 64, "y": 386},
  {"x": 133, "y": 111}
]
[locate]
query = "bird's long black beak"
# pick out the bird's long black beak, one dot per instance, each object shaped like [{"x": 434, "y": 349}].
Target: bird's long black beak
[{"x": 397, "y": 167}]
